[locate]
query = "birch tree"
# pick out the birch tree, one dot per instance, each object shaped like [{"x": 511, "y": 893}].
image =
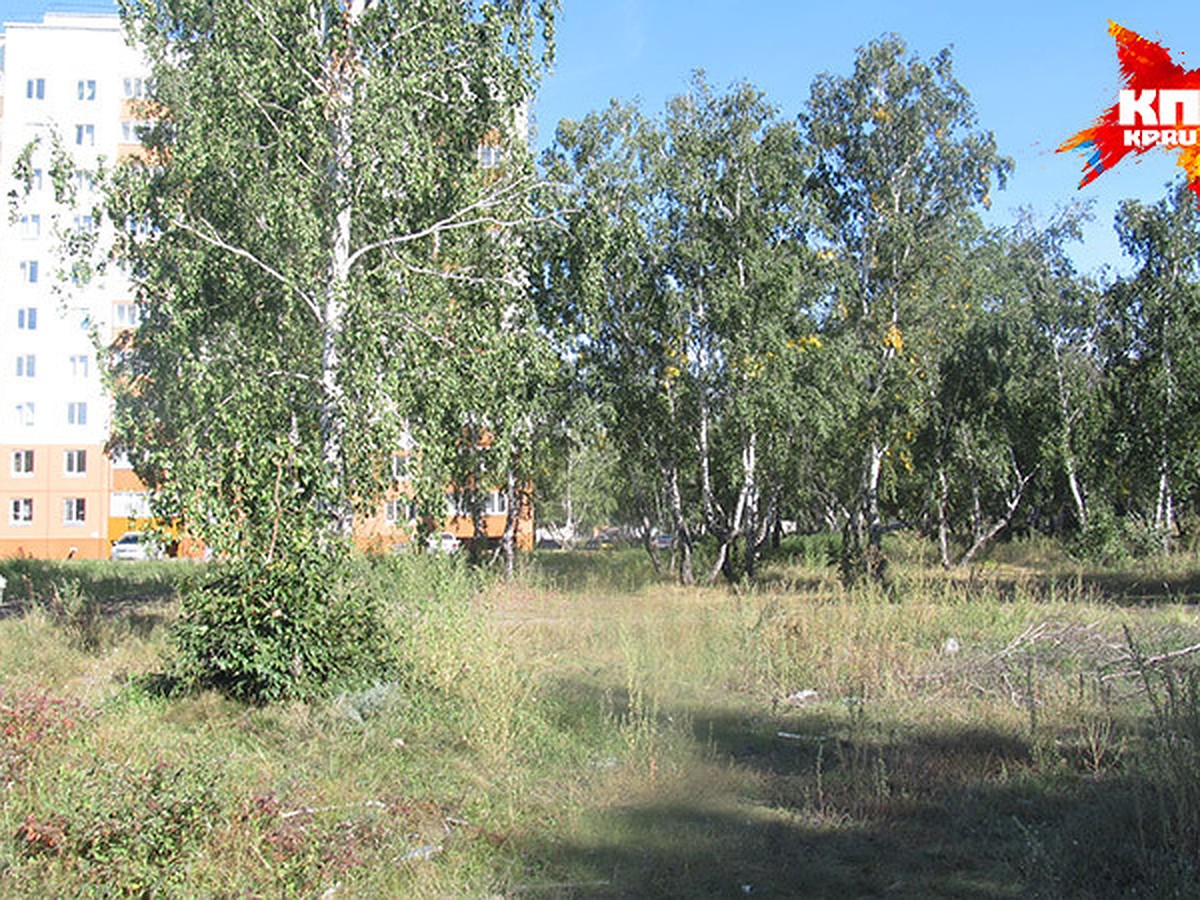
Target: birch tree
[
  {"x": 901, "y": 168},
  {"x": 302, "y": 231},
  {"x": 606, "y": 289},
  {"x": 295, "y": 232},
  {"x": 1070, "y": 315},
  {"x": 1156, "y": 360},
  {"x": 738, "y": 255}
]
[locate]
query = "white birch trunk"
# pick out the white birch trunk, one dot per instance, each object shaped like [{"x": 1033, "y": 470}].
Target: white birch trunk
[{"x": 340, "y": 78}]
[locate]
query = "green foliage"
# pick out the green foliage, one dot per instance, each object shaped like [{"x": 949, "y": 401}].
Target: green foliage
[
  {"x": 126, "y": 827},
  {"x": 267, "y": 630},
  {"x": 308, "y": 227},
  {"x": 324, "y": 273},
  {"x": 682, "y": 287},
  {"x": 1153, "y": 362}
]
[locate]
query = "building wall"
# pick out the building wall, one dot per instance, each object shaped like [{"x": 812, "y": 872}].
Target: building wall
[
  {"x": 66, "y": 76},
  {"x": 392, "y": 526}
]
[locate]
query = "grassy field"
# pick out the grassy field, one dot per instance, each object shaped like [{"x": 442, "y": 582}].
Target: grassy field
[{"x": 1029, "y": 728}]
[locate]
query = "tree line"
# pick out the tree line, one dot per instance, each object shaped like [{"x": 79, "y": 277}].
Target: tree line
[
  {"x": 702, "y": 323},
  {"x": 805, "y": 319}
]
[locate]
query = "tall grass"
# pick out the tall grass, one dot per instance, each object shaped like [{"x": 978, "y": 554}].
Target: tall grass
[{"x": 596, "y": 730}]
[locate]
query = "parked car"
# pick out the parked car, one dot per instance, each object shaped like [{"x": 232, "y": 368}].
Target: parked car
[
  {"x": 443, "y": 543},
  {"x": 135, "y": 545}
]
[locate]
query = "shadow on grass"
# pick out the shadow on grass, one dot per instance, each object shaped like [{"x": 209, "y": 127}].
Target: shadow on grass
[
  {"x": 628, "y": 570},
  {"x": 120, "y": 589},
  {"x": 623, "y": 570},
  {"x": 808, "y": 804},
  {"x": 1130, "y": 589}
]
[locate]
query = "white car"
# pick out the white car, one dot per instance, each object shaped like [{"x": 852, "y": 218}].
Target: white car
[
  {"x": 443, "y": 543},
  {"x": 135, "y": 545}
]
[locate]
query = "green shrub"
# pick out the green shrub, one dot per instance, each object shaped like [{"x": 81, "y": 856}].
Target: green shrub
[
  {"x": 291, "y": 627},
  {"x": 1111, "y": 540}
]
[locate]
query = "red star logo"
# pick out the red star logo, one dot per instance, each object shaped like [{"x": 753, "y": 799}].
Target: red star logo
[{"x": 1146, "y": 71}]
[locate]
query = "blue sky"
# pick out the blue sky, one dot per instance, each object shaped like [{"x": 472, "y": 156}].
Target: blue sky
[{"x": 1037, "y": 72}]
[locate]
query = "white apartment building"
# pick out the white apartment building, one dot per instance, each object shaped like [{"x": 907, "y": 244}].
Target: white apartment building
[{"x": 70, "y": 76}]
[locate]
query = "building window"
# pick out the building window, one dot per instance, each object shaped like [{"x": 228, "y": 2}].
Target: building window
[
  {"x": 139, "y": 228},
  {"x": 75, "y": 462},
  {"x": 127, "y": 315},
  {"x": 132, "y": 131},
  {"x": 86, "y": 89},
  {"x": 76, "y": 413},
  {"x": 35, "y": 180},
  {"x": 27, "y": 366},
  {"x": 29, "y": 271},
  {"x": 129, "y": 505},
  {"x": 85, "y": 182},
  {"x": 400, "y": 512},
  {"x": 490, "y": 156},
  {"x": 35, "y": 89},
  {"x": 495, "y": 504},
  {"x": 74, "y": 511},
  {"x": 85, "y": 135},
  {"x": 84, "y": 224},
  {"x": 22, "y": 463},
  {"x": 456, "y": 504},
  {"x": 27, "y": 318},
  {"x": 20, "y": 511},
  {"x": 25, "y": 413},
  {"x": 31, "y": 226},
  {"x": 138, "y": 88},
  {"x": 79, "y": 365}
]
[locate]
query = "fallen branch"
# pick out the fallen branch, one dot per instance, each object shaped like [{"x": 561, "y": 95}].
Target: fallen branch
[{"x": 1151, "y": 662}]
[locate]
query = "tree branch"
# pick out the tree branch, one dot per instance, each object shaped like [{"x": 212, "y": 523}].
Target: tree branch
[
  {"x": 458, "y": 220},
  {"x": 242, "y": 252}
]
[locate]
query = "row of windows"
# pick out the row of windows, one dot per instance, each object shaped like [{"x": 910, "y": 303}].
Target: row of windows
[
  {"x": 20, "y": 511},
  {"x": 126, "y": 315},
  {"x": 24, "y": 462},
  {"x": 30, "y": 225},
  {"x": 27, "y": 365},
  {"x": 84, "y": 182},
  {"x": 85, "y": 88},
  {"x": 77, "y": 413},
  {"x": 396, "y": 512}
]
